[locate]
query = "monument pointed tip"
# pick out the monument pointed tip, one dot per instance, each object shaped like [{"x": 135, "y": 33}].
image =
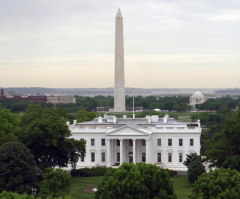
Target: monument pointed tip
[{"x": 119, "y": 14}]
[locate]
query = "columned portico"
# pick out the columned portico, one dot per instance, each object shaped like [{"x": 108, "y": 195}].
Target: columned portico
[{"x": 127, "y": 149}]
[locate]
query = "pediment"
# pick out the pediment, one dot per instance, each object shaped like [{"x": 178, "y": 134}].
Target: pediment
[{"x": 128, "y": 131}]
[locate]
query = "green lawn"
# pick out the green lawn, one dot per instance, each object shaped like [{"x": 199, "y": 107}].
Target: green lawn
[
  {"x": 78, "y": 184},
  {"x": 181, "y": 186}
]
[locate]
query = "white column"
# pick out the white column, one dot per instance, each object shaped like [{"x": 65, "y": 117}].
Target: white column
[
  {"x": 134, "y": 151},
  {"x": 147, "y": 151},
  {"x": 121, "y": 151},
  {"x": 108, "y": 153}
]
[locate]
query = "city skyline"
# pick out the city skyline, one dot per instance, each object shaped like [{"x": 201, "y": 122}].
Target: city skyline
[{"x": 168, "y": 44}]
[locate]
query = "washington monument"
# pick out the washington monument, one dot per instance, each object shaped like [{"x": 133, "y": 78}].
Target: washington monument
[{"x": 119, "y": 82}]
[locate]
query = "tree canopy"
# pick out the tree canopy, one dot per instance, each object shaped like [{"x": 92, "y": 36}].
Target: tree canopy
[
  {"x": 136, "y": 181},
  {"x": 48, "y": 137},
  {"x": 220, "y": 183},
  {"x": 9, "y": 125},
  {"x": 55, "y": 183},
  {"x": 225, "y": 148},
  {"x": 195, "y": 167},
  {"x": 18, "y": 172}
]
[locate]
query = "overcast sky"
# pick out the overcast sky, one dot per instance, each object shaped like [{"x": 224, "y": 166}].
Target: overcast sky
[{"x": 168, "y": 43}]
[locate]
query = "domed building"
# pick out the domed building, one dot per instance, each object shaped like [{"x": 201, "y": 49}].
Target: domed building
[{"x": 197, "y": 98}]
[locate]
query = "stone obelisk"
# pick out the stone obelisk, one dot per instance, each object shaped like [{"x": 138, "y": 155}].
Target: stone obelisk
[{"x": 119, "y": 84}]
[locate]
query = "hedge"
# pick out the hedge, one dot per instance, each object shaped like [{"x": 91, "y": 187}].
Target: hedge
[
  {"x": 87, "y": 172},
  {"x": 100, "y": 171}
]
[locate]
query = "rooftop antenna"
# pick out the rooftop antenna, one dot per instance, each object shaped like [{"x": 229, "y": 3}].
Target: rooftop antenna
[{"x": 133, "y": 105}]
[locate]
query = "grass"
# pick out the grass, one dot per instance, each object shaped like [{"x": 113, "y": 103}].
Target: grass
[
  {"x": 78, "y": 184},
  {"x": 181, "y": 186}
]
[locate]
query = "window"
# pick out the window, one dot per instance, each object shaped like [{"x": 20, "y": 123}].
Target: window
[
  {"x": 118, "y": 142},
  {"x": 169, "y": 157},
  {"x": 92, "y": 157},
  {"x": 130, "y": 142},
  {"x": 159, "y": 142},
  {"x": 169, "y": 142},
  {"x": 92, "y": 142},
  {"x": 143, "y": 142},
  {"x": 82, "y": 158},
  {"x": 103, "y": 157},
  {"x": 103, "y": 142},
  {"x": 118, "y": 157},
  {"x": 143, "y": 157},
  {"x": 191, "y": 142},
  {"x": 180, "y": 142},
  {"x": 180, "y": 157},
  {"x": 159, "y": 157}
]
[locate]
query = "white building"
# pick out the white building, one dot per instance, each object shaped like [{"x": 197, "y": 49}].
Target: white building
[
  {"x": 64, "y": 99},
  {"x": 111, "y": 141},
  {"x": 197, "y": 98}
]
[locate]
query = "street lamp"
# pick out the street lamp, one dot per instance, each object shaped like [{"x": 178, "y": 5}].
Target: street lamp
[{"x": 34, "y": 192}]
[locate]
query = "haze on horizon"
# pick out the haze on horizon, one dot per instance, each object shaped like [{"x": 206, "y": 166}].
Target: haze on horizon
[{"x": 168, "y": 44}]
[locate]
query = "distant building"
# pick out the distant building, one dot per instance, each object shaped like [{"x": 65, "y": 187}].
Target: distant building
[
  {"x": 197, "y": 98},
  {"x": 61, "y": 99},
  {"x": 32, "y": 98},
  {"x": 38, "y": 98},
  {"x": 110, "y": 141}
]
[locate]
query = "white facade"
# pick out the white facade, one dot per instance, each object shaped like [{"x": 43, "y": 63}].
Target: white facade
[{"x": 162, "y": 141}]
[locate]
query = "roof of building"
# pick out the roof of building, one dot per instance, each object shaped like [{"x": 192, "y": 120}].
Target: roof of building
[
  {"x": 197, "y": 95},
  {"x": 137, "y": 122}
]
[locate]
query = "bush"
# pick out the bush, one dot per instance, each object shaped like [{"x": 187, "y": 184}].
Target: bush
[
  {"x": 55, "y": 183},
  {"x": 220, "y": 183},
  {"x": 18, "y": 172},
  {"x": 136, "y": 182},
  {"x": 11, "y": 195},
  {"x": 88, "y": 172},
  {"x": 171, "y": 172},
  {"x": 195, "y": 167}
]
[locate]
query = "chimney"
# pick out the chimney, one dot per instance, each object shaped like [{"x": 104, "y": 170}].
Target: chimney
[
  {"x": 165, "y": 118},
  {"x": 148, "y": 117},
  {"x": 100, "y": 119},
  {"x": 2, "y": 92}
]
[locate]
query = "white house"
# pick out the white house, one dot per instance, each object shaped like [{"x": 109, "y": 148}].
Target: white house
[{"x": 110, "y": 141}]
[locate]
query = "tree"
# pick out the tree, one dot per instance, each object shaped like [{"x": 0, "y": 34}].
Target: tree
[
  {"x": 12, "y": 195},
  {"x": 220, "y": 183},
  {"x": 9, "y": 126},
  {"x": 48, "y": 138},
  {"x": 55, "y": 183},
  {"x": 136, "y": 181},
  {"x": 18, "y": 171},
  {"x": 84, "y": 115},
  {"x": 225, "y": 148},
  {"x": 195, "y": 167}
]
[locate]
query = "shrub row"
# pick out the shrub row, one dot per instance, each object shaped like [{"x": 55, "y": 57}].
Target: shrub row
[
  {"x": 171, "y": 172},
  {"x": 100, "y": 171},
  {"x": 87, "y": 172}
]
